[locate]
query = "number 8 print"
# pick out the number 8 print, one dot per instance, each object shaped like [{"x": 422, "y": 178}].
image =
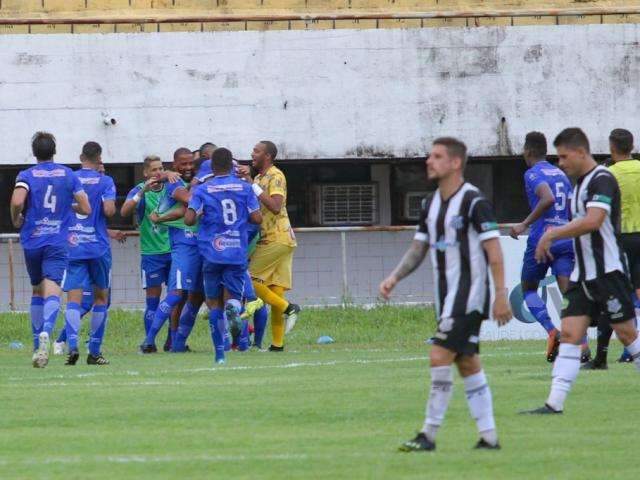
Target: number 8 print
[{"x": 229, "y": 214}]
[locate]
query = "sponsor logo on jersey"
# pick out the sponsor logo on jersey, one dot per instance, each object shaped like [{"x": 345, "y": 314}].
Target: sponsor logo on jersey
[
  {"x": 441, "y": 245},
  {"x": 220, "y": 244},
  {"x": 90, "y": 180},
  {"x": 232, "y": 187},
  {"x": 58, "y": 172}
]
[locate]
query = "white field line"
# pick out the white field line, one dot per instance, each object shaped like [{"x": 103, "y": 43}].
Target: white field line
[{"x": 20, "y": 381}]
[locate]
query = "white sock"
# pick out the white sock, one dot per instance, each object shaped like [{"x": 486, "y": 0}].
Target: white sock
[
  {"x": 634, "y": 350},
  {"x": 565, "y": 372},
  {"x": 481, "y": 405},
  {"x": 441, "y": 390}
]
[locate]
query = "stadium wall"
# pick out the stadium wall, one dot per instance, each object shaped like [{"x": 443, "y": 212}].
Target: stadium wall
[{"x": 318, "y": 94}]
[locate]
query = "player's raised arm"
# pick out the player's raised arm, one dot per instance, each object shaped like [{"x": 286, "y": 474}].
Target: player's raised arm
[{"x": 194, "y": 209}]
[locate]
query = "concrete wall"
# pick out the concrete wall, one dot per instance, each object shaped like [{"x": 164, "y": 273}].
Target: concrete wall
[{"x": 318, "y": 94}]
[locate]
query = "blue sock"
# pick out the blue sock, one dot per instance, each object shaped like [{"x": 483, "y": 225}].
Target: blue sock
[
  {"x": 243, "y": 341},
  {"x": 62, "y": 336},
  {"x": 98, "y": 324},
  {"x": 217, "y": 325},
  {"x": 37, "y": 318},
  {"x": 538, "y": 309},
  {"x": 72, "y": 324},
  {"x": 50, "y": 313},
  {"x": 86, "y": 305},
  {"x": 161, "y": 316},
  {"x": 187, "y": 321},
  {"x": 150, "y": 312},
  {"x": 259, "y": 325}
]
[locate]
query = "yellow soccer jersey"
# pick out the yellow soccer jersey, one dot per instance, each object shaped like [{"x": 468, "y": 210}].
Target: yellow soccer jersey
[
  {"x": 275, "y": 228},
  {"x": 627, "y": 174}
]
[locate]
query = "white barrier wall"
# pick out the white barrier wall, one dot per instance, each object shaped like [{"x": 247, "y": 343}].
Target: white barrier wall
[{"x": 317, "y": 94}]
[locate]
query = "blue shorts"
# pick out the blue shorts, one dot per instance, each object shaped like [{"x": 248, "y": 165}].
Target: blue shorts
[
  {"x": 561, "y": 266},
  {"x": 219, "y": 277},
  {"x": 90, "y": 271},
  {"x": 249, "y": 291},
  {"x": 46, "y": 262},
  {"x": 186, "y": 268},
  {"x": 155, "y": 269}
]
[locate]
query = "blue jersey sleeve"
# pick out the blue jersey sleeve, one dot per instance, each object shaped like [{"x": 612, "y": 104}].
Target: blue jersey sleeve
[
  {"x": 133, "y": 191},
  {"x": 141, "y": 205},
  {"x": 23, "y": 180},
  {"x": 76, "y": 186},
  {"x": 196, "y": 203},
  {"x": 534, "y": 180},
  {"x": 173, "y": 187},
  {"x": 109, "y": 192},
  {"x": 204, "y": 171}
]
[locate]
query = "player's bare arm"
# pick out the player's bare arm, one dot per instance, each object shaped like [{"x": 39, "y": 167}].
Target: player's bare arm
[
  {"x": 182, "y": 195},
  {"x": 411, "y": 260},
  {"x": 109, "y": 208},
  {"x": 174, "y": 214},
  {"x": 272, "y": 202},
  {"x": 255, "y": 217},
  {"x": 18, "y": 200},
  {"x": 129, "y": 206},
  {"x": 190, "y": 217},
  {"x": 81, "y": 205},
  {"x": 543, "y": 191},
  {"x": 501, "y": 310},
  {"x": 591, "y": 222}
]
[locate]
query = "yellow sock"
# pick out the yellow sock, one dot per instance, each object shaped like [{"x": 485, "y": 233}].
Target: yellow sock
[
  {"x": 269, "y": 296},
  {"x": 277, "y": 317}
]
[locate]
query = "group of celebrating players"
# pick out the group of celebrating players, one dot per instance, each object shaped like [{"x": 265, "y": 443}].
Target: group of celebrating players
[
  {"x": 588, "y": 234},
  {"x": 198, "y": 229}
]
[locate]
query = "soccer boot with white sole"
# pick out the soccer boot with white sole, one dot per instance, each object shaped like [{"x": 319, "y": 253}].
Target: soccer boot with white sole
[
  {"x": 544, "y": 410},
  {"x": 484, "y": 445},
  {"x": 40, "y": 357},
  {"x": 418, "y": 444},
  {"x": 251, "y": 307},
  {"x": 291, "y": 312},
  {"x": 72, "y": 357},
  {"x": 97, "y": 360},
  {"x": 58, "y": 348}
]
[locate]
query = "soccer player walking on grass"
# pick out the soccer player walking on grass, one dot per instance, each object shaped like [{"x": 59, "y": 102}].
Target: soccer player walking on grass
[
  {"x": 41, "y": 207},
  {"x": 459, "y": 226},
  {"x": 599, "y": 281}
]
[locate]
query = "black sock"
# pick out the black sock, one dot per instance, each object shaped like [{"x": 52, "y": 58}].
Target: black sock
[{"x": 604, "y": 337}]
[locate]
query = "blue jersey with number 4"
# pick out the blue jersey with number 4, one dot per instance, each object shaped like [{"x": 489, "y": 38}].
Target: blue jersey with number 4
[
  {"x": 225, "y": 203},
  {"x": 50, "y": 188},
  {"x": 88, "y": 237},
  {"x": 559, "y": 213}
]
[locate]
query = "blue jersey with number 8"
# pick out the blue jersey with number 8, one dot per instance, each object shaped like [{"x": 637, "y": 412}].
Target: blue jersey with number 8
[
  {"x": 560, "y": 212},
  {"x": 225, "y": 203},
  {"x": 48, "y": 213}
]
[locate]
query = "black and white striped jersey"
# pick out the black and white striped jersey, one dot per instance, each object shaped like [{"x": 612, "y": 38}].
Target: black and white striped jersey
[
  {"x": 597, "y": 252},
  {"x": 455, "y": 230}
]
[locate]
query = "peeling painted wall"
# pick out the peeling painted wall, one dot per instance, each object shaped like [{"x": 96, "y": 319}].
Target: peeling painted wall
[{"x": 318, "y": 94}]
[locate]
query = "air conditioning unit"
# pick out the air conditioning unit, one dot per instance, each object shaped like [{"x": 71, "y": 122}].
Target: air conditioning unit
[
  {"x": 413, "y": 205},
  {"x": 344, "y": 204}
]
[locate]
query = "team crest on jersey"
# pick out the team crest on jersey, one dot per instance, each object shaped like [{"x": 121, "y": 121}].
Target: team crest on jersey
[
  {"x": 73, "y": 239},
  {"x": 457, "y": 222},
  {"x": 614, "y": 305}
]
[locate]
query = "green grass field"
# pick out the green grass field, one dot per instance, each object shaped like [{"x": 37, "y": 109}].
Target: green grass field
[{"x": 335, "y": 411}]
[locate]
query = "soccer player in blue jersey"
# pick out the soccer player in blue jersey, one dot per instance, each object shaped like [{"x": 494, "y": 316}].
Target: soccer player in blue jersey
[
  {"x": 42, "y": 207},
  {"x": 225, "y": 204},
  {"x": 548, "y": 192},
  {"x": 185, "y": 277},
  {"x": 90, "y": 256},
  {"x": 204, "y": 169}
]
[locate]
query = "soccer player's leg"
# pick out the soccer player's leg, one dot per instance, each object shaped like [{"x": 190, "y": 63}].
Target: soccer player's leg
[
  {"x": 255, "y": 307},
  {"x": 233, "y": 279},
  {"x": 33, "y": 261},
  {"x": 155, "y": 272},
  {"x": 100, "y": 272},
  {"x": 78, "y": 275},
  {"x": 212, "y": 279}
]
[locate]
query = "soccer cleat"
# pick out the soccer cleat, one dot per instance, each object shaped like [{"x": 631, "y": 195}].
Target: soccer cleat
[
  {"x": 585, "y": 356},
  {"x": 72, "y": 357},
  {"x": 251, "y": 307},
  {"x": 544, "y": 410},
  {"x": 625, "y": 358},
  {"x": 484, "y": 445},
  {"x": 594, "y": 365},
  {"x": 40, "y": 358},
  {"x": 291, "y": 312},
  {"x": 257, "y": 348},
  {"x": 220, "y": 361},
  {"x": 553, "y": 344},
  {"x": 419, "y": 444},
  {"x": 98, "y": 360},
  {"x": 148, "y": 349},
  {"x": 273, "y": 348},
  {"x": 58, "y": 348}
]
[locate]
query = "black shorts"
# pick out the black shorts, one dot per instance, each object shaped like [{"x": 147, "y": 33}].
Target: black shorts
[
  {"x": 609, "y": 296},
  {"x": 631, "y": 246},
  {"x": 460, "y": 334}
]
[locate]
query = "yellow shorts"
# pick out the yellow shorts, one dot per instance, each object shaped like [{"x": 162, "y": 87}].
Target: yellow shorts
[{"x": 272, "y": 263}]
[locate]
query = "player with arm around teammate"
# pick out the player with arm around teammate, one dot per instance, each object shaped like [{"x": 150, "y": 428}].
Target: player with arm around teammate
[
  {"x": 225, "y": 204},
  {"x": 458, "y": 225}
]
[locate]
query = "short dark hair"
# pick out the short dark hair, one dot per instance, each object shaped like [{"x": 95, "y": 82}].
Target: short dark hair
[
  {"x": 205, "y": 146},
  {"x": 181, "y": 151},
  {"x": 621, "y": 140},
  {"x": 222, "y": 160},
  {"x": 91, "y": 151},
  {"x": 455, "y": 148},
  {"x": 573, "y": 138},
  {"x": 149, "y": 159},
  {"x": 43, "y": 145},
  {"x": 536, "y": 144},
  {"x": 271, "y": 148}
]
